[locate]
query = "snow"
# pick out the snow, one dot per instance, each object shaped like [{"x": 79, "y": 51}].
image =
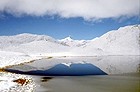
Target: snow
[
  {"x": 124, "y": 41},
  {"x": 11, "y": 58},
  {"x": 27, "y": 47},
  {"x": 4, "y": 84},
  {"x": 7, "y": 84},
  {"x": 6, "y": 79},
  {"x": 7, "y": 41},
  {"x": 68, "y": 41}
]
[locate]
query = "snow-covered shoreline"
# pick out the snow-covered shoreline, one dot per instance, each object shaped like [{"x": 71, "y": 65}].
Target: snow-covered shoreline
[{"x": 7, "y": 83}]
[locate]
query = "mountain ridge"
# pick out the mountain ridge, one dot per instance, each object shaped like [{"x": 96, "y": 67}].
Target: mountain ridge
[{"x": 124, "y": 41}]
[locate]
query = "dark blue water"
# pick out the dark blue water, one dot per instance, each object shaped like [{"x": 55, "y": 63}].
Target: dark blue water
[{"x": 63, "y": 70}]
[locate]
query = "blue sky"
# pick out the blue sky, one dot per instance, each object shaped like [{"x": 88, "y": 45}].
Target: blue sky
[
  {"x": 53, "y": 22},
  {"x": 59, "y": 28}
]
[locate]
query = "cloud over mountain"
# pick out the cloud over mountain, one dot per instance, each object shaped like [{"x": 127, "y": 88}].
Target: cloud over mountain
[{"x": 87, "y": 9}]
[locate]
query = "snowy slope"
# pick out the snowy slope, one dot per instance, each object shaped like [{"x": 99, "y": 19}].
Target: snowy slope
[
  {"x": 6, "y": 41},
  {"x": 11, "y": 58},
  {"x": 124, "y": 41},
  {"x": 39, "y": 48},
  {"x": 31, "y": 44}
]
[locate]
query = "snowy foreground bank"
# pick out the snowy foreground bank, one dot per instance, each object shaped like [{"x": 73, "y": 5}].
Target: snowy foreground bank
[
  {"x": 8, "y": 83},
  {"x": 27, "y": 47}
]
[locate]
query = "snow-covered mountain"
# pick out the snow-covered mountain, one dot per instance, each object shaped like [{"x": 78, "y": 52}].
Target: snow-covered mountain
[
  {"x": 29, "y": 47},
  {"x": 31, "y": 44},
  {"x": 68, "y": 41},
  {"x": 6, "y": 41},
  {"x": 124, "y": 41}
]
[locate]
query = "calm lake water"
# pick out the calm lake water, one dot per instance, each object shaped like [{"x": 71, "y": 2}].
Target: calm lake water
[
  {"x": 101, "y": 74},
  {"x": 104, "y": 83}
]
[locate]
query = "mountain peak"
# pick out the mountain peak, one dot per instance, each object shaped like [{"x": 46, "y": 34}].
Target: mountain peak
[{"x": 69, "y": 38}]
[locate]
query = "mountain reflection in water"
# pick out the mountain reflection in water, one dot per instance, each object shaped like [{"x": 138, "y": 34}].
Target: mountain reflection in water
[
  {"x": 64, "y": 70},
  {"x": 123, "y": 74}
]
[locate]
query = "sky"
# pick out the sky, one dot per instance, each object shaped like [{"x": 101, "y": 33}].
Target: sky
[{"x": 80, "y": 19}]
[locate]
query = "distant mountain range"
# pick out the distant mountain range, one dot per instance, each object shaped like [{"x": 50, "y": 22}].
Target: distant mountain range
[{"x": 124, "y": 41}]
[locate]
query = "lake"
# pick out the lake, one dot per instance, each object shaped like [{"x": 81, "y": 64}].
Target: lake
[
  {"x": 84, "y": 74},
  {"x": 104, "y": 83}
]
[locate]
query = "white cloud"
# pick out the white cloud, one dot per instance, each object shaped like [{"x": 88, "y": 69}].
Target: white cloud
[{"x": 87, "y": 9}]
